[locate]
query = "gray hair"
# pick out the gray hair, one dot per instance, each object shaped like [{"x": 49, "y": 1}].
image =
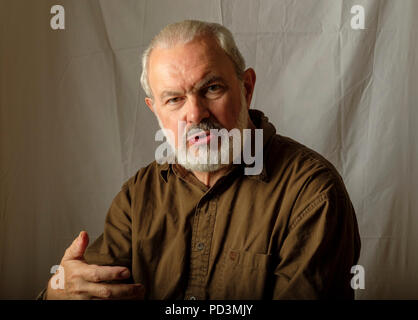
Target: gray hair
[{"x": 184, "y": 32}]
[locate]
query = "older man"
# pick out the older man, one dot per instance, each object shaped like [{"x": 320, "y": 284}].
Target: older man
[{"x": 193, "y": 230}]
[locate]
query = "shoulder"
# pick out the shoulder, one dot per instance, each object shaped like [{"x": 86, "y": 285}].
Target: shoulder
[
  {"x": 310, "y": 180},
  {"x": 147, "y": 177},
  {"x": 291, "y": 161}
]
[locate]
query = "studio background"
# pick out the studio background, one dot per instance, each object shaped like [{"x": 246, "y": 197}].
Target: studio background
[{"x": 74, "y": 125}]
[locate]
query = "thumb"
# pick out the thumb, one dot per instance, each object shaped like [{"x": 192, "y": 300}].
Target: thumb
[{"x": 77, "y": 248}]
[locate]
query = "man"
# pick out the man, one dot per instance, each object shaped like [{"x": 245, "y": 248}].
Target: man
[{"x": 190, "y": 230}]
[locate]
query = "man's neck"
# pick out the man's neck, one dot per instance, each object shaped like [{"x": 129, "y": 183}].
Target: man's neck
[{"x": 210, "y": 178}]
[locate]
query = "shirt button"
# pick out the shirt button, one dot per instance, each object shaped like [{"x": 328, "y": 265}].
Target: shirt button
[
  {"x": 233, "y": 255},
  {"x": 200, "y": 246}
]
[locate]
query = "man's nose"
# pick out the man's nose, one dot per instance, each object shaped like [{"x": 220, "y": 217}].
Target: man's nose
[{"x": 196, "y": 110}]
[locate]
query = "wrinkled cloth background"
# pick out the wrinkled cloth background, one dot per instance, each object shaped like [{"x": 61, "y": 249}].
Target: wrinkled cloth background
[{"x": 74, "y": 125}]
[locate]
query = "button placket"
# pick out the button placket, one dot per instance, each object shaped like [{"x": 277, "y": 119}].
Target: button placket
[{"x": 201, "y": 239}]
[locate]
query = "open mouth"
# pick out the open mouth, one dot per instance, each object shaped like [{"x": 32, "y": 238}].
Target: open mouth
[{"x": 199, "y": 138}]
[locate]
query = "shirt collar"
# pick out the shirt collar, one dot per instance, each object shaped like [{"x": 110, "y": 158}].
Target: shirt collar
[
  {"x": 261, "y": 122},
  {"x": 164, "y": 169}
]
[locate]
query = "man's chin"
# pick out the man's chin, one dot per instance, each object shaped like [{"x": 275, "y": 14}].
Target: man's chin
[
  {"x": 204, "y": 167},
  {"x": 205, "y": 164}
]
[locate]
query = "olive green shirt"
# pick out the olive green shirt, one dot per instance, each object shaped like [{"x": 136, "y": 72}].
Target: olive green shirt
[{"x": 288, "y": 233}]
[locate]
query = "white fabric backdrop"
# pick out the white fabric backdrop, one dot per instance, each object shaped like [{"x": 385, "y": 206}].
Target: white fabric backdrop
[{"x": 74, "y": 125}]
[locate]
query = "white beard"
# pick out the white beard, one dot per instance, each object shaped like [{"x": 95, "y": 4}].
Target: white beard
[{"x": 190, "y": 159}]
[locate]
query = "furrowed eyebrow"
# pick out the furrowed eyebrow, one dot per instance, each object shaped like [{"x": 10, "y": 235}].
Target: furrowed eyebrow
[
  {"x": 169, "y": 94},
  {"x": 209, "y": 80},
  {"x": 201, "y": 84}
]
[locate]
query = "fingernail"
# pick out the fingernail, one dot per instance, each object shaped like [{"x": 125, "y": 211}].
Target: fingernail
[{"x": 124, "y": 273}]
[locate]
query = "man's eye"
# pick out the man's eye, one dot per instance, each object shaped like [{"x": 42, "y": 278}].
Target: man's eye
[
  {"x": 214, "y": 88},
  {"x": 173, "y": 100}
]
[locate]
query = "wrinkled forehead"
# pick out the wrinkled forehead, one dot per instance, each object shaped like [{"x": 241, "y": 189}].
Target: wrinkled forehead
[{"x": 185, "y": 64}]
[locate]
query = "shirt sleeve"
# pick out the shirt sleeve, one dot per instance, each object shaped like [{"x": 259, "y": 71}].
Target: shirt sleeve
[
  {"x": 114, "y": 246},
  {"x": 321, "y": 246}
]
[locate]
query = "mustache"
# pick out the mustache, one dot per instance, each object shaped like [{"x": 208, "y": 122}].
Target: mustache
[{"x": 204, "y": 125}]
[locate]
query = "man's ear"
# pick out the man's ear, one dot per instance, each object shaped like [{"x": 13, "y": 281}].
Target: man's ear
[
  {"x": 149, "y": 103},
  {"x": 249, "y": 84}
]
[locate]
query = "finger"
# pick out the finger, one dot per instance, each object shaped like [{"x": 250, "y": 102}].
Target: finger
[
  {"x": 94, "y": 273},
  {"x": 77, "y": 248},
  {"x": 115, "y": 291}
]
